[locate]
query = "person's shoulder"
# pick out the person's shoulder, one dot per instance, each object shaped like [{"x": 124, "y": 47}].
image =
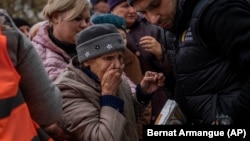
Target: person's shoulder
[
  {"x": 35, "y": 28},
  {"x": 12, "y": 34}
]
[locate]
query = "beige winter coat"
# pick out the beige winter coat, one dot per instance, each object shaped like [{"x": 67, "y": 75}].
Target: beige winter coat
[{"x": 83, "y": 116}]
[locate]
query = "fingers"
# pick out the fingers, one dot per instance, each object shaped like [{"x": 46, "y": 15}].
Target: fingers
[
  {"x": 111, "y": 80},
  {"x": 151, "y": 45},
  {"x": 111, "y": 70},
  {"x": 144, "y": 38},
  {"x": 152, "y": 81},
  {"x": 151, "y": 75},
  {"x": 160, "y": 79},
  {"x": 154, "y": 77},
  {"x": 112, "y": 76},
  {"x": 110, "y": 67},
  {"x": 146, "y": 41},
  {"x": 160, "y": 76}
]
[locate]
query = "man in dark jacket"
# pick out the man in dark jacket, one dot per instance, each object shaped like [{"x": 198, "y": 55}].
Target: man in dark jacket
[{"x": 208, "y": 42}]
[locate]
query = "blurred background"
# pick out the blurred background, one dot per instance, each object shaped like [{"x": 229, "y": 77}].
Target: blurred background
[{"x": 29, "y": 10}]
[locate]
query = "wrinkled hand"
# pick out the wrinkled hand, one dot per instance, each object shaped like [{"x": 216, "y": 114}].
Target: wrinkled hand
[
  {"x": 152, "y": 81},
  {"x": 150, "y": 44},
  {"x": 111, "y": 80},
  {"x": 57, "y": 133}
]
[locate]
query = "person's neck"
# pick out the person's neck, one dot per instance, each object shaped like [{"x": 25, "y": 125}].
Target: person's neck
[
  {"x": 69, "y": 48},
  {"x": 91, "y": 74}
]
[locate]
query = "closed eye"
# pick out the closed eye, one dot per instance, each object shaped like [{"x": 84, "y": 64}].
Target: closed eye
[
  {"x": 109, "y": 58},
  {"x": 154, "y": 4}
]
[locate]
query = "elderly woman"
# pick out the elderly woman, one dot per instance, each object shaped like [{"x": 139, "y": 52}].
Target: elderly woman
[
  {"x": 97, "y": 99},
  {"x": 132, "y": 67},
  {"x": 55, "y": 38}
]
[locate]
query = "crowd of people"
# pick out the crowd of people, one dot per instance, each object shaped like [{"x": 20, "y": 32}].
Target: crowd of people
[{"x": 102, "y": 69}]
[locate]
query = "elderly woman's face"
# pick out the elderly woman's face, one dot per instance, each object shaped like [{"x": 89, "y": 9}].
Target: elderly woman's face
[
  {"x": 66, "y": 30},
  {"x": 100, "y": 65}
]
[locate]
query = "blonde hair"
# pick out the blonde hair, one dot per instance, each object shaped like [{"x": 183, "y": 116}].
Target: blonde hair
[{"x": 75, "y": 8}]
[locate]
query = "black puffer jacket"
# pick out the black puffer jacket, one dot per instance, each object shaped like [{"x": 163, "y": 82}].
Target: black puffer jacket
[{"x": 211, "y": 59}]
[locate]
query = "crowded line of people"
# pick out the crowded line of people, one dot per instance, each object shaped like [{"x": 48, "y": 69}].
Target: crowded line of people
[{"x": 102, "y": 69}]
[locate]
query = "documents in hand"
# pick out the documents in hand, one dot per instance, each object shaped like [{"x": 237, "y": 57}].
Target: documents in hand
[{"x": 171, "y": 114}]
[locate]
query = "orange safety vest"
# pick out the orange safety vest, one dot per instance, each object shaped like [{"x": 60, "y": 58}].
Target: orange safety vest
[{"x": 16, "y": 123}]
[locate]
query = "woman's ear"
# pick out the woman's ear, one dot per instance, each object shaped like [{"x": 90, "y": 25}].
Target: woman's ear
[
  {"x": 56, "y": 17},
  {"x": 85, "y": 63}
]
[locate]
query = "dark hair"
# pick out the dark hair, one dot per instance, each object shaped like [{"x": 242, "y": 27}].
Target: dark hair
[
  {"x": 20, "y": 22},
  {"x": 130, "y": 2},
  {"x": 93, "y": 2}
]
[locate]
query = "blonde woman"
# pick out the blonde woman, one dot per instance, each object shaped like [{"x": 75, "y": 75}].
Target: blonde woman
[{"x": 55, "y": 38}]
